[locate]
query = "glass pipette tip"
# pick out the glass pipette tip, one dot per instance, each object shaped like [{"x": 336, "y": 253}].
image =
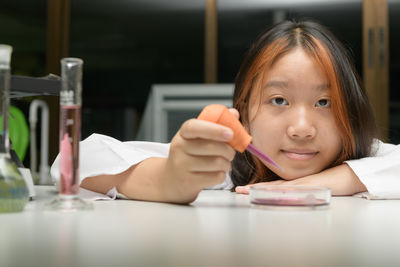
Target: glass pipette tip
[{"x": 259, "y": 154}]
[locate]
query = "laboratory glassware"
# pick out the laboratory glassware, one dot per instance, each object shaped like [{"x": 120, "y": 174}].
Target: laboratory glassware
[
  {"x": 13, "y": 190},
  {"x": 70, "y": 134},
  {"x": 262, "y": 195}
]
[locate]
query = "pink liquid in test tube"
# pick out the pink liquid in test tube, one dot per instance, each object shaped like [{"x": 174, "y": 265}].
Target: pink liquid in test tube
[{"x": 70, "y": 135}]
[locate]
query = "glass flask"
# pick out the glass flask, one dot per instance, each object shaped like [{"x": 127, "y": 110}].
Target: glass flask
[
  {"x": 70, "y": 135},
  {"x": 13, "y": 190}
]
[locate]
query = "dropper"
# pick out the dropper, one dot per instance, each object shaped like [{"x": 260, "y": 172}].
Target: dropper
[{"x": 241, "y": 139}]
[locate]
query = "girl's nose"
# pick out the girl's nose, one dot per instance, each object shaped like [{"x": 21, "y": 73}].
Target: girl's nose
[{"x": 301, "y": 125}]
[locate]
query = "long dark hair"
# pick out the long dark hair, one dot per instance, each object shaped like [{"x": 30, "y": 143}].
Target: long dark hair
[{"x": 350, "y": 105}]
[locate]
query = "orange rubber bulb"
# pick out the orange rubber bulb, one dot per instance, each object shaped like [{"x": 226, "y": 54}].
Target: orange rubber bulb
[{"x": 220, "y": 114}]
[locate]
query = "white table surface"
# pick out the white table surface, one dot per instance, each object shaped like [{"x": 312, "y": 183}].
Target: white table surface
[{"x": 218, "y": 229}]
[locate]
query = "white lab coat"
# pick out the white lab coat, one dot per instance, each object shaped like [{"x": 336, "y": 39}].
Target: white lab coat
[{"x": 100, "y": 154}]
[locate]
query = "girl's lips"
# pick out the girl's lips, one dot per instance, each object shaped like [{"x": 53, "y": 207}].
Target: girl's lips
[{"x": 300, "y": 154}]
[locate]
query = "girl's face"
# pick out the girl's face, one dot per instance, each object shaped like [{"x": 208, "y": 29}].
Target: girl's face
[{"x": 294, "y": 123}]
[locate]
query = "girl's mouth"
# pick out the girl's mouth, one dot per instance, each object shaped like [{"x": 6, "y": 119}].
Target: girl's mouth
[{"x": 296, "y": 154}]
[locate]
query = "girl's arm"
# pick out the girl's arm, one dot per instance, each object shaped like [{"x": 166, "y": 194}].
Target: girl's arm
[
  {"x": 378, "y": 174},
  {"x": 198, "y": 157},
  {"x": 143, "y": 181},
  {"x": 340, "y": 179}
]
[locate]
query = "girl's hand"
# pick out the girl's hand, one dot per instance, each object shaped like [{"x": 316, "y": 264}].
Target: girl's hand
[
  {"x": 199, "y": 156},
  {"x": 340, "y": 179}
]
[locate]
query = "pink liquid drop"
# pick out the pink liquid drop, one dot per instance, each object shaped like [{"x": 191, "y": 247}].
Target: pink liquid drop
[{"x": 70, "y": 135}]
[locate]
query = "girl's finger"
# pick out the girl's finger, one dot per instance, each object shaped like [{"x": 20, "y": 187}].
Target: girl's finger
[
  {"x": 194, "y": 128},
  {"x": 207, "y": 164},
  {"x": 242, "y": 189},
  {"x": 235, "y": 112},
  {"x": 201, "y": 147},
  {"x": 245, "y": 189}
]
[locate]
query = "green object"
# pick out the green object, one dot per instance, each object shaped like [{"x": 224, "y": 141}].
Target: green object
[
  {"x": 18, "y": 131},
  {"x": 13, "y": 192}
]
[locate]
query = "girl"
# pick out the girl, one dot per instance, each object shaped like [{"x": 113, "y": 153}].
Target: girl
[{"x": 299, "y": 98}]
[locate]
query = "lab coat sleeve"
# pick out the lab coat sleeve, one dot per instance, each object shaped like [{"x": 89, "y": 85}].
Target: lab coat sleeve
[
  {"x": 380, "y": 173},
  {"x": 100, "y": 154}
]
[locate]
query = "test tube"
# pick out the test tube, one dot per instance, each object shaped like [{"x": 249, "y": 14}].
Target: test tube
[{"x": 70, "y": 135}]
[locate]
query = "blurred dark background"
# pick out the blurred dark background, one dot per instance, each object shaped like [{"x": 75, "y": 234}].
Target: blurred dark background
[{"x": 128, "y": 45}]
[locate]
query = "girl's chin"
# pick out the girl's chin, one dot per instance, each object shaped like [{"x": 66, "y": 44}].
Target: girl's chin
[{"x": 289, "y": 175}]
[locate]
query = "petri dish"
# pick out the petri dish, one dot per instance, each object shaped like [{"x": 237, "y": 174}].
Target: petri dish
[{"x": 289, "y": 196}]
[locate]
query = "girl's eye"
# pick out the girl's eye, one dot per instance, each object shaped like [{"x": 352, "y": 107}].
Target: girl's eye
[
  {"x": 323, "y": 103},
  {"x": 279, "y": 101}
]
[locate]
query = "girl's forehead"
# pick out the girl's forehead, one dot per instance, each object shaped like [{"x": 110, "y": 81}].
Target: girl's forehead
[
  {"x": 295, "y": 66},
  {"x": 295, "y": 59}
]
